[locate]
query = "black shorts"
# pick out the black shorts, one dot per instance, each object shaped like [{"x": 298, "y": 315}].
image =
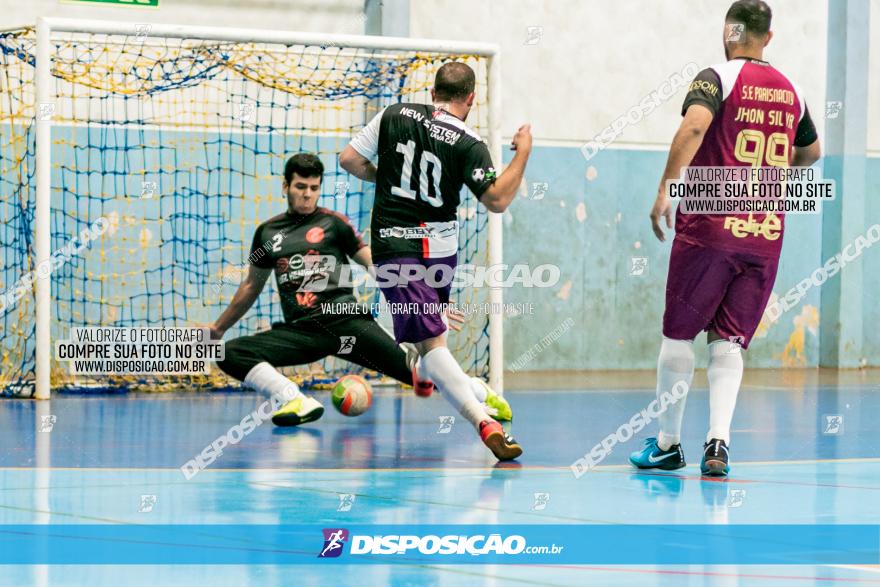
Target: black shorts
[{"x": 355, "y": 338}]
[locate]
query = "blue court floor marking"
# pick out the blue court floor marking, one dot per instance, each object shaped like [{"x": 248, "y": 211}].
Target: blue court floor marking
[
  {"x": 791, "y": 424},
  {"x": 407, "y": 488},
  {"x": 717, "y": 574},
  {"x": 342, "y": 576},
  {"x": 399, "y": 432},
  {"x": 474, "y": 468}
]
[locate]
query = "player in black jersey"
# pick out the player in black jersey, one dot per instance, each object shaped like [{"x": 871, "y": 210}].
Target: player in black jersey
[
  {"x": 426, "y": 154},
  {"x": 306, "y": 248}
]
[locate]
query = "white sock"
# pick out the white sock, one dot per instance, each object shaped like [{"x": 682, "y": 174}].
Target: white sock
[
  {"x": 725, "y": 374},
  {"x": 479, "y": 390},
  {"x": 442, "y": 368},
  {"x": 264, "y": 378},
  {"x": 420, "y": 369},
  {"x": 675, "y": 363}
]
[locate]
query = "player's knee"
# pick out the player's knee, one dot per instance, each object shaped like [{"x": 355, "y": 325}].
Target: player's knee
[
  {"x": 238, "y": 359},
  {"x": 677, "y": 355},
  {"x": 429, "y": 344}
]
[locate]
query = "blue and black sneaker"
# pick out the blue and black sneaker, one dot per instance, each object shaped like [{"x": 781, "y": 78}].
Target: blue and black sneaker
[
  {"x": 716, "y": 459},
  {"x": 653, "y": 457}
]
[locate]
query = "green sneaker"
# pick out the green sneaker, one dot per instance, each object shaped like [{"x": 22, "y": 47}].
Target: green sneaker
[
  {"x": 301, "y": 410},
  {"x": 496, "y": 406}
]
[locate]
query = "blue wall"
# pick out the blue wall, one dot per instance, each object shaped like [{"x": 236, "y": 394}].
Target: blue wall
[
  {"x": 591, "y": 222},
  {"x": 871, "y": 275},
  {"x": 617, "y": 315}
]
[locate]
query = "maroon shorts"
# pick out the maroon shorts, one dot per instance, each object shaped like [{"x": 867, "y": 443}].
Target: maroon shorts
[
  {"x": 413, "y": 304},
  {"x": 711, "y": 289}
]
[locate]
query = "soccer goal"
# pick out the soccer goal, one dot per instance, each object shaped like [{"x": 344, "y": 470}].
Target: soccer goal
[{"x": 171, "y": 140}]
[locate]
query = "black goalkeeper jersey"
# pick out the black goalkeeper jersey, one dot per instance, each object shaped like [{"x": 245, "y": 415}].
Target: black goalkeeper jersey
[
  {"x": 426, "y": 156},
  {"x": 307, "y": 252}
]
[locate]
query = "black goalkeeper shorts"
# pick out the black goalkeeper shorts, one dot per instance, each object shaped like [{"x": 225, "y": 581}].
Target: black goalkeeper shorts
[{"x": 358, "y": 339}]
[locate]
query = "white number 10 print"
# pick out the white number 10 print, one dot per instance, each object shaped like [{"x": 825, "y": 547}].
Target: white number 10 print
[{"x": 427, "y": 158}]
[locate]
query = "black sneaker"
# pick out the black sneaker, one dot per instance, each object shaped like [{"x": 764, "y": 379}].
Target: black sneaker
[
  {"x": 716, "y": 459},
  {"x": 502, "y": 444}
]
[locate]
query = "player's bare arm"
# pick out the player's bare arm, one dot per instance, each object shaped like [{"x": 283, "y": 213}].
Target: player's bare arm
[
  {"x": 245, "y": 296},
  {"x": 806, "y": 156},
  {"x": 364, "y": 257},
  {"x": 501, "y": 193},
  {"x": 357, "y": 165},
  {"x": 684, "y": 146}
]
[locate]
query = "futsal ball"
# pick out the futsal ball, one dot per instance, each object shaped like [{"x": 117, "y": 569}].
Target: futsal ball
[{"x": 352, "y": 395}]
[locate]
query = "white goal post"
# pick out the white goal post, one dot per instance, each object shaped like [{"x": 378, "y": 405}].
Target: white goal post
[{"x": 45, "y": 88}]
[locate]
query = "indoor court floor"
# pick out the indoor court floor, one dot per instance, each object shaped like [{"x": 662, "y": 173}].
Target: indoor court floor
[{"x": 803, "y": 453}]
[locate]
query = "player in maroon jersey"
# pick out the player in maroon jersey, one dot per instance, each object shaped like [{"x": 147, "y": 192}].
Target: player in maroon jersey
[{"x": 743, "y": 112}]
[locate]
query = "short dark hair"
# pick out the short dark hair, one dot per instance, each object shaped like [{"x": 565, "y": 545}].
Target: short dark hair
[
  {"x": 304, "y": 165},
  {"x": 755, "y": 15},
  {"x": 454, "y": 81}
]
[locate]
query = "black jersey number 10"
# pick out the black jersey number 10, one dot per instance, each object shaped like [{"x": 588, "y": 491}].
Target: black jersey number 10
[{"x": 427, "y": 159}]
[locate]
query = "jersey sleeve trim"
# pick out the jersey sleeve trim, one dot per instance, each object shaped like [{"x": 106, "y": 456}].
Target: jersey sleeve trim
[
  {"x": 480, "y": 167},
  {"x": 259, "y": 256},
  {"x": 706, "y": 89},
  {"x": 805, "y": 134},
  {"x": 800, "y": 97},
  {"x": 345, "y": 223},
  {"x": 366, "y": 142}
]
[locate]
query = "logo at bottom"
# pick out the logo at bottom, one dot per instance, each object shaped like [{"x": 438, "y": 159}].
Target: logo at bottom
[{"x": 334, "y": 539}]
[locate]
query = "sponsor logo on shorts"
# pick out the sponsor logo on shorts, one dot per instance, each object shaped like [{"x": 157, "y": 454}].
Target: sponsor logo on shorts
[{"x": 407, "y": 232}]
